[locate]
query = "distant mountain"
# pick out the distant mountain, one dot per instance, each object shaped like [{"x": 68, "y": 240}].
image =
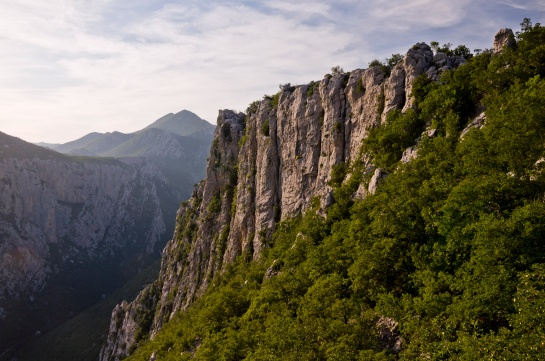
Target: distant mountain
[
  {"x": 72, "y": 229},
  {"x": 48, "y": 145},
  {"x": 79, "y": 219},
  {"x": 184, "y": 123},
  {"x": 95, "y": 143},
  {"x": 177, "y": 144}
]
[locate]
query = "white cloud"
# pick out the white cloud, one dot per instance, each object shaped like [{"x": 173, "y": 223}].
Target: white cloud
[
  {"x": 529, "y": 5},
  {"x": 417, "y": 14},
  {"x": 182, "y": 56},
  {"x": 300, "y": 9},
  {"x": 70, "y": 67}
]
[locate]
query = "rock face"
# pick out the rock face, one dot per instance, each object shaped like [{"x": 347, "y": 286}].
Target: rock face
[
  {"x": 70, "y": 222},
  {"x": 419, "y": 60},
  {"x": 265, "y": 166},
  {"x": 504, "y": 38}
]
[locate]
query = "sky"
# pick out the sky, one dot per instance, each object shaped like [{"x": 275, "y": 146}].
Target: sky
[{"x": 71, "y": 67}]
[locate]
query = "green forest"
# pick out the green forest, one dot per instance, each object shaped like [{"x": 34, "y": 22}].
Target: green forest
[{"x": 446, "y": 261}]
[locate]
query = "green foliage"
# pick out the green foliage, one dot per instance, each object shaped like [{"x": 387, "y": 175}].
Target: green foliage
[
  {"x": 460, "y": 50},
  {"x": 265, "y": 128},
  {"x": 526, "y": 27},
  {"x": 275, "y": 100},
  {"x": 375, "y": 62},
  {"x": 394, "y": 60},
  {"x": 451, "y": 246},
  {"x": 313, "y": 86},
  {"x": 359, "y": 86},
  {"x": 234, "y": 203},
  {"x": 386, "y": 143},
  {"x": 422, "y": 85},
  {"x": 242, "y": 140},
  {"x": 338, "y": 173},
  {"x": 286, "y": 87},
  {"x": 252, "y": 108},
  {"x": 381, "y": 103},
  {"x": 337, "y": 70},
  {"x": 214, "y": 206},
  {"x": 388, "y": 64}
]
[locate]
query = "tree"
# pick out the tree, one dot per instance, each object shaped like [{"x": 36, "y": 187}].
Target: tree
[{"x": 337, "y": 70}]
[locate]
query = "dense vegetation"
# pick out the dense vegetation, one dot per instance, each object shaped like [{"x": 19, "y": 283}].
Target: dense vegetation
[{"x": 451, "y": 247}]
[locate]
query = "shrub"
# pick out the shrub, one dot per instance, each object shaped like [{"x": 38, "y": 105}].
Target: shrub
[
  {"x": 337, "y": 70},
  {"x": 312, "y": 87},
  {"x": 265, "y": 128}
]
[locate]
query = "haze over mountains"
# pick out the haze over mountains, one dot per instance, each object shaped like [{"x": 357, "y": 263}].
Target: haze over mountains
[
  {"x": 170, "y": 140},
  {"x": 75, "y": 227}
]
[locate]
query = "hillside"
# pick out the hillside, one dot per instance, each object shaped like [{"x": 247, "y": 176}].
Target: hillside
[
  {"x": 177, "y": 144},
  {"x": 92, "y": 143},
  {"x": 183, "y": 124},
  {"x": 72, "y": 230},
  {"x": 394, "y": 212}
]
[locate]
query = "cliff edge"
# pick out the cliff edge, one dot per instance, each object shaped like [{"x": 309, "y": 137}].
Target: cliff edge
[{"x": 264, "y": 166}]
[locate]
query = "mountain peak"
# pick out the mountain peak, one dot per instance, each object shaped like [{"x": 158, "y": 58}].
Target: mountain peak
[{"x": 184, "y": 123}]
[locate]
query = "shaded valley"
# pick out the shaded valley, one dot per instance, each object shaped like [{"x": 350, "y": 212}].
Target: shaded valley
[{"x": 76, "y": 228}]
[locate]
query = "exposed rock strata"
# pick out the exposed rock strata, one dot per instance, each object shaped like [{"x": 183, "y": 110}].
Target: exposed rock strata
[
  {"x": 60, "y": 217},
  {"x": 82, "y": 207},
  {"x": 283, "y": 152}
]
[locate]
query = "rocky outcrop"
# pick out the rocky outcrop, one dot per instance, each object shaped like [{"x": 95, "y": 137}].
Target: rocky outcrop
[
  {"x": 265, "y": 166},
  {"x": 504, "y": 39},
  {"x": 389, "y": 337},
  {"x": 418, "y": 61},
  {"x": 195, "y": 255},
  {"x": 378, "y": 176},
  {"x": 135, "y": 317},
  {"x": 409, "y": 154},
  {"x": 477, "y": 122}
]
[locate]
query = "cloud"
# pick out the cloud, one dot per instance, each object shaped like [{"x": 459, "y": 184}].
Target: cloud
[
  {"x": 403, "y": 15},
  {"x": 70, "y": 67},
  {"x": 528, "y": 5},
  {"x": 302, "y": 9},
  {"x": 194, "y": 56}
]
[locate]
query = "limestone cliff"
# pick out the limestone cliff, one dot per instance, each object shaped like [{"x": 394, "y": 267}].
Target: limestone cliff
[
  {"x": 264, "y": 166},
  {"x": 66, "y": 224}
]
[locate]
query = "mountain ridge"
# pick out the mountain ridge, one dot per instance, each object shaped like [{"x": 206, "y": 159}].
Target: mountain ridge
[
  {"x": 172, "y": 140},
  {"x": 56, "y": 239},
  {"x": 280, "y": 157},
  {"x": 183, "y": 123},
  {"x": 375, "y": 214}
]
